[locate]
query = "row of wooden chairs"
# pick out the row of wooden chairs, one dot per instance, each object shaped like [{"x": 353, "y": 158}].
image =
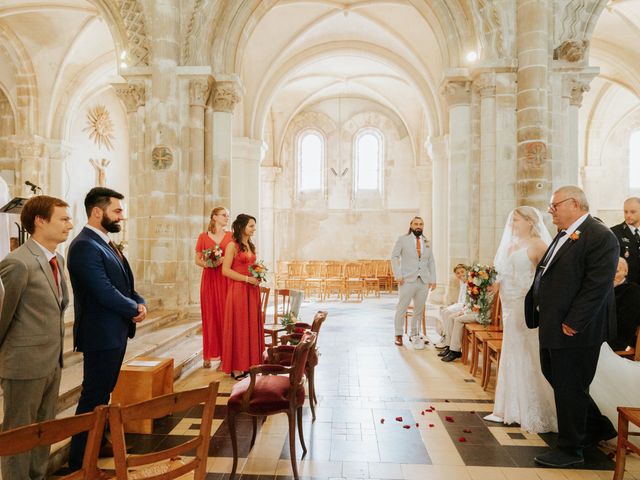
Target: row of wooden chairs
[
  {"x": 160, "y": 465},
  {"x": 343, "y": 279}
]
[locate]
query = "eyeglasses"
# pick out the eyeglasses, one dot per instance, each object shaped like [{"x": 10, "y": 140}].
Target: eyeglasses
[{"x": 554, "y": 206}]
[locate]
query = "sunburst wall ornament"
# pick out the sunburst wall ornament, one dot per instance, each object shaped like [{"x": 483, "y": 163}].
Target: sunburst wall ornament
[{"x": 100, "y": 127}]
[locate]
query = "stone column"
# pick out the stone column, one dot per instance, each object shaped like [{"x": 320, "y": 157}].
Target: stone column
[
  {"x": 58, "y": 152},
  {"x": 485, "y": 84},
  {"x": 591, "y": 177},
  {"x": 245, "y": 176},
  {"x": 437, "y": 149},
  {"x": 199, "y": 91},
  {"x": 132, "y": 95},
  {"x": 534, "y": 165},
  {"x": 225, "y": 97},
  {"x": 33, "y": 166},
  {"x": 267, "y": 233},
  {"x": 458, "y": 95}
]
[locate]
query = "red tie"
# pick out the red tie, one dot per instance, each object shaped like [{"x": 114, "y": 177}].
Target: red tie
[
  {"x": 54, "y": 268},
  {"x": 418, "y": 247}
]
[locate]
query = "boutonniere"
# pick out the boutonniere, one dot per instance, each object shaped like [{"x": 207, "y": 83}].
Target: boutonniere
[{"x": 575, "y": 236}]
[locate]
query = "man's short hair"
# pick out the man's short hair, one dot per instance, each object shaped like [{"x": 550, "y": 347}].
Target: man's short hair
[
  {"x": 100, "y": 197},
  {"x": 39, "y": 206},
  {"x": 577, "y": 194}
]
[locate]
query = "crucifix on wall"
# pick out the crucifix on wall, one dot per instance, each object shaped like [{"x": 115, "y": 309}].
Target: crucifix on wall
[{"x": 101, "y": 170}]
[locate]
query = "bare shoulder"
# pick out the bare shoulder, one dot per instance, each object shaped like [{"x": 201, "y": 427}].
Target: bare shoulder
[{"x": 536, "y": 249}]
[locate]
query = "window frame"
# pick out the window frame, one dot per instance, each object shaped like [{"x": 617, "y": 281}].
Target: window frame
[
  {"x": 299, "y": 165},
  {"x": 369, "y": 130}
]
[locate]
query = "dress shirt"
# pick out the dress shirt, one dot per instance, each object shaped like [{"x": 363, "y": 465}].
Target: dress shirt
[
  {"x": 49, "y": 255},
  {"x": 101, "y": 234},
  {"x": 569, "y": 231}
]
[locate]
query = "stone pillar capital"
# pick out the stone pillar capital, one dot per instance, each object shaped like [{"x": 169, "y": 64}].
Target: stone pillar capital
[
  {"x": 226, "y": 95},
  {"x": 485, "y": 84},
  {"x": 200, "y": 90},
  {"x": 131, "y": 93},
  {"x": 28, "y": 147},
  {"x": 456, "y": 91},
  {"x": 270, "y": 173},
  {"x": 576, "y": 83}
]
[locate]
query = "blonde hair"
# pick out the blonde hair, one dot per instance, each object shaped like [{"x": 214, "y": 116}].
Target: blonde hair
[
  {"x": 212, "y": 224},
  {"x": 530, "y": 215}
]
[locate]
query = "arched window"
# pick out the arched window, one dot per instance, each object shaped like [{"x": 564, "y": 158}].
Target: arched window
[
  {"x": 634, "y": 160},
  {"x": 310, "y": 160},
  {"x": 369, "y": 152}
]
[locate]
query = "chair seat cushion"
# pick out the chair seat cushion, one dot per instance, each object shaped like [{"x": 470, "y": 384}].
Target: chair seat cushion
[{"x": 270, "y": 394}]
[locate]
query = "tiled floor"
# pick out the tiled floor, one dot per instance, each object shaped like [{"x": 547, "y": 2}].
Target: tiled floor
[{"x": 384, "y": 412}]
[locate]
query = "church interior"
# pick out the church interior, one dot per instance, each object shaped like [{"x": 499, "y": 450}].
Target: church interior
[{"x": 333, "y": 123}]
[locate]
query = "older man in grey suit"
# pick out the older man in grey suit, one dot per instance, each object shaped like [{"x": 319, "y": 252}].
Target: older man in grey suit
[
  {"x": 32, "y": 328},
  {"x": 414, "y": 269}
]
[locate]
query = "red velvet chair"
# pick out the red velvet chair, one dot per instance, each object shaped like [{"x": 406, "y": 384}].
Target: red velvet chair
[
  {"x": 282, "y": 356},
  {"x": 269, "y": 393}
]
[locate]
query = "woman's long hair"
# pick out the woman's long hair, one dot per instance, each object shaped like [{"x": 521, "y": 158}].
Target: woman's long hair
[
  {"x": 212, "y": 224},
  {"x": 238, "y": 226}
]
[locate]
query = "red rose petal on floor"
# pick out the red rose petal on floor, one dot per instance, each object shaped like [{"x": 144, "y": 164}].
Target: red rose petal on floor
[
  {"x": 431, "y": 425},
  {"x": 406, "y": 426},
  {"x": 382, "y": 420},
  {"x": 466, "y": 430},
  {"x": 447, "y": 401},
  {"x": 422, "y": 412},
  {"x": 398, "y": 419},
  {"x": 449, "y": 419},
  {"x": 417, "y": 424},
  {"x": 432, "y": 407},
  {"x": 462, "y": 439},
  {"x": 472, "y": 412}
]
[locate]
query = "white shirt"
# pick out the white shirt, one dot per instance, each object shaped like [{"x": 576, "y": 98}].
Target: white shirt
[
  {"x": 101, "y": 234},
  {"x": 633, "y": 229},
  {"x": 569, "y": 231}
]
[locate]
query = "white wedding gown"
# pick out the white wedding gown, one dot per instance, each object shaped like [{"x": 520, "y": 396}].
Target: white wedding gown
[{"x": 523, "y": 395}]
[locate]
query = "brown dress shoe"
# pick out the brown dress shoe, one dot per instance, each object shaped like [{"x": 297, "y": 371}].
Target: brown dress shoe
[{"x": 398, "y": 341}]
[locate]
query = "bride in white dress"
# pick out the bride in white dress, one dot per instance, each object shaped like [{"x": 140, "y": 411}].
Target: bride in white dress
[{"x": 523, "y": 395}]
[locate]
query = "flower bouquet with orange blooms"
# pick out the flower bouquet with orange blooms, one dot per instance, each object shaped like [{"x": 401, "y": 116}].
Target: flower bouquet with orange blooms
[
  {"x": 258, "y": 270},
  {"x": 211, "y": 255},
  {"x": 479, "y": 278}
]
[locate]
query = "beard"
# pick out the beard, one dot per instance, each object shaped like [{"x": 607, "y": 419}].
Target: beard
[
  {"x": 416, "y": 231},
  {"x": 109, "y": 225}
]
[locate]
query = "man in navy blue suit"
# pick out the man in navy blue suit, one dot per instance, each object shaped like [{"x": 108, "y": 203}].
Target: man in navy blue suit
[{"x": 106, "y": 304}]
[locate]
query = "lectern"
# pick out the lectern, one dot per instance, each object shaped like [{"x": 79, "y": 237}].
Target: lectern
[{"x": 15, "y": 207}]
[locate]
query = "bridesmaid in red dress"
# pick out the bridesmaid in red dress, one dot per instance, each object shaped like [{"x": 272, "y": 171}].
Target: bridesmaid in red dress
[
  {"x": 213, "y": 287},
  {"x": 243, "y": 332}
]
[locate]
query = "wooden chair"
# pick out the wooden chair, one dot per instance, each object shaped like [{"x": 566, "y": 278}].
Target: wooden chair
[
  {"x": 158, "y": 407},
  {"x": 295, "y": 275},
  {"x": 333, "y": 280},
  {"x": 22, "y": 439},
  {"x": 371, "y": 281},
  {"x": 353, "y": 281},
  {"x": 470, "y": 328},
  {"x": 283, "y": 356},
  {"x": 479, "y": 347},
  {"x": 632, "y": 352},
  {"x": 281, "y": 307},
  {"x": 625, "y": 415},
  {"x": 272, "y": 389},
  {"x": 314, "y": 279},
  {"x": 264, "y": 303},
  {"x": 494, "y": 350},
  {"x": 409, "y": 314},
  {"x": 384, "y": 274},
  {"x": 281, "y": 275}
]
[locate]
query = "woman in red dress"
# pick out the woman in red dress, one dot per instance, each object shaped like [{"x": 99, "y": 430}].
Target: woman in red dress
[
  {"x": 243, "y": 339},
  {"x": 213, "y": 287}
]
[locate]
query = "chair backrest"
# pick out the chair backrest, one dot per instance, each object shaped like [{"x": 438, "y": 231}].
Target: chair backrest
[
  {"x": 369, "y": 268},
  {"x": 295, "y": 269},
  {"x": 333, "y": 270},
  {"x": 353, "y": 270},
  {"x": 23, "y": 439},
  {"x": 159, "y": 407},
  {"x": 318, "y": 320},
  {"x": 299, "y": 359},
  {"x": 281, "y": 303},
  {"x": 264, "y": 302},
  {"x": 314, "y": 269},
  {"x": 382, "y": 268},
  {"x": 496, "y": 311}
]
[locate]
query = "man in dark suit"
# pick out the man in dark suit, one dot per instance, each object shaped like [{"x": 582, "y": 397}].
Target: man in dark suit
[
  {"x": 32, "y": 328},
  {"x": 572, "y": 302},
  {"x": 628, "y": 234},
  {"x": 106, "y": 304}
]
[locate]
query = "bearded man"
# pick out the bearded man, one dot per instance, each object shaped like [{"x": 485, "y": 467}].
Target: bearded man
[
  {"x": 414, "y": 268},
  {"x": 106, "y": 305}
]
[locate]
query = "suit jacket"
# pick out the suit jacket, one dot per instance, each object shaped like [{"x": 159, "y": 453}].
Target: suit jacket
[
  {"x": 629, "y": 250},
  {"x": 32, "y": 318},
  {"x": 577, "y": 290},
  {"x": 105, "y": 299},
  {"x": 407, "y": 265}
]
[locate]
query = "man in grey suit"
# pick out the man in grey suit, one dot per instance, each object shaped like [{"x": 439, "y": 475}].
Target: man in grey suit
[
  {"x": 414, "y": 268},
  {"x": 32, "y": 328}
]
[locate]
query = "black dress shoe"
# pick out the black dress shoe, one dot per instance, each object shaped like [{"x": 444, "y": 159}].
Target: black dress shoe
[
  {"x": 451, "y": 356},
  {"x": 559, "y": 459},
  {"x": 444, "y": 352}
]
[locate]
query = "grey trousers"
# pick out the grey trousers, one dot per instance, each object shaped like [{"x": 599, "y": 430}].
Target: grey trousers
[
  {"x": 25, "y": 402},
  {"x": 458, "y": 330},
  {"x": 417, "y": 291}
]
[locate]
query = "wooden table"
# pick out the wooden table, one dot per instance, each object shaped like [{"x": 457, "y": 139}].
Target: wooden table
[{"x": 139, "y": 383}]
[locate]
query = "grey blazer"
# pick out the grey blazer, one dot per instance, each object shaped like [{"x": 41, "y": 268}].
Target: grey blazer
[
  {"x": 406, "y": 264},
  {"x": 32, "y": 316}
]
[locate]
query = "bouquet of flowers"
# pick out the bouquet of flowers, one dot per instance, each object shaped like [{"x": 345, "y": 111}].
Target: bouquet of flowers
[
  {"x": 258, "y": 270},
  {"x": 211, "y": 255},
  {"x": 479, "y": 278},
  {"x": 288, "y": 321}
]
